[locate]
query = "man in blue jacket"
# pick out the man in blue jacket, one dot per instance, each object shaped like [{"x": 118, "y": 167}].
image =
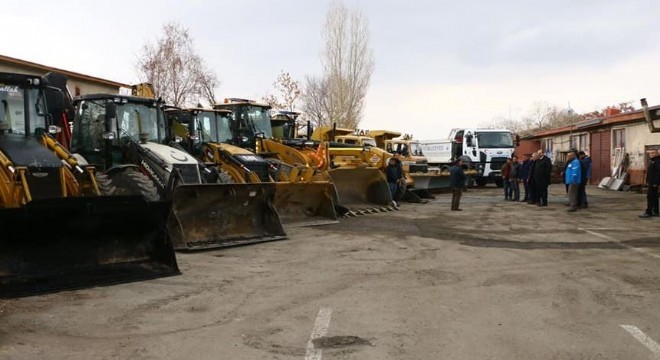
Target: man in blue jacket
[{"x": 573, "y": 178}]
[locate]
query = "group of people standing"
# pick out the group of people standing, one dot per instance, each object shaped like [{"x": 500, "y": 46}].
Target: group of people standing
[{"x": 533, "y": 173}]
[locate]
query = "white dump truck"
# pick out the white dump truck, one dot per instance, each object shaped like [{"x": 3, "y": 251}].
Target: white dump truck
[{"x": 484, "y": 150}]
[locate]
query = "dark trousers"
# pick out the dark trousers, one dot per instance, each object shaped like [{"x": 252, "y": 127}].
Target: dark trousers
[
  {"x": 515, "y": 190},
  {"x": 393, "y": 190},
  {"x": 652, "y": 200},
  {"x": 533, "y": 192},
  {"x": 507, "y": 188},
  {"x": 525, "y": 183},
  {"x": 573, "y": 191},
  {"x": 543, "y": 194},
  {"x": 456, "y": 193},
  {"x": 582, "y": 195}
]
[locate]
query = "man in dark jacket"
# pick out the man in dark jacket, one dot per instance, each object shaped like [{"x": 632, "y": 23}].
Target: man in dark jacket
[
  {"x": 533, "y": 191},
  {"x": 392, "y": 174},
  {"x": 456, "y": 182},
  {"x": 542, "y": 175},
  {"x": 652, "y": 182},
  {"x": 585, "y": 160},
  {"x": 523, "y": 173}
]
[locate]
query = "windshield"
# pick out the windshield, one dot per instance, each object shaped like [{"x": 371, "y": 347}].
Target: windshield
[
  {"x": 369, "y": 142},
  {"x": 12, "y": 109},
  {"x": 258, "y": 117},
  {"x": 213, "y": 127},
  {"x": 494, "y": 140},
  {"x": 133, "y": 119}
]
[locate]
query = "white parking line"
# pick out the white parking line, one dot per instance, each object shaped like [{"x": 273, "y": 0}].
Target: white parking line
[
  {"x": 320, "y": 329},
  {"x": 644, "y": 339},
  {"x": 603, "y": 236}
]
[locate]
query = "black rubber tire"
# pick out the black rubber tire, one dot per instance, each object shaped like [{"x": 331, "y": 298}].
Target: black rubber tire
[
  {"x": 499, "y": 182},
  {"x": 481, "y": 182},
  {"x": 133, "y": 182}
]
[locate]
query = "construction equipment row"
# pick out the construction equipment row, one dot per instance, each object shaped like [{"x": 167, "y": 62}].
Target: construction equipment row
[{"x": 104, "y": 188}]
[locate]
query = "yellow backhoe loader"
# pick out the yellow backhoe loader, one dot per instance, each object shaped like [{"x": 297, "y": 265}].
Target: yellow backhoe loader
[
  {"x": 60, "y": 229},
  {"x": 128, "y": 139},
  {"x": 357, "y": 186},
  {"x": 207, "y": 134}
]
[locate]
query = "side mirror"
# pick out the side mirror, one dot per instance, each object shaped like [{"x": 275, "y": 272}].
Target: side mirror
[{"x": 110, "y": 114}]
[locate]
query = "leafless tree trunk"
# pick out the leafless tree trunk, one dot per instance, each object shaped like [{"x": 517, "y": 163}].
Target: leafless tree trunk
[
  {"x": 177, "y": 73},
  {"x": 316, "y": 101},
  {"x": 347, "y": 64}
]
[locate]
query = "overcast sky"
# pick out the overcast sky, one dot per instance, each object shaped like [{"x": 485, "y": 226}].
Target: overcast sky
[{"x": 438, "y": 64}]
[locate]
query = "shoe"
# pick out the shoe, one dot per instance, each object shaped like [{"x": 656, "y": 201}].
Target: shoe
[
  {"x": 571, "y": 209},
  {"x": 456, "y": 209},
  {"x": 395, "y": 204},
  {"x": 645, "y": 216},
  {"x": 539, "y": 204},
  {"x": 655, "y": 214}
]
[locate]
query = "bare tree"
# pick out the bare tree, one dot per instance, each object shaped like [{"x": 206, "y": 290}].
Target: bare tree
[
  {"x": 177, "y": 73},
  {"x": 315, "y": 101},
  {"x": 288, "y": 93},
  {"x": 347, "y": 65}
]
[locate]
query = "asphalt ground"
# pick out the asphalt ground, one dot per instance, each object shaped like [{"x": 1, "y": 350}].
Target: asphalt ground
[{"x": 498, "y": 280}]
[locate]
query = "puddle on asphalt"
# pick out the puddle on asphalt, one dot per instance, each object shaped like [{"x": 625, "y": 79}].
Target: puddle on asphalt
[{"x": 335, "y": 342}]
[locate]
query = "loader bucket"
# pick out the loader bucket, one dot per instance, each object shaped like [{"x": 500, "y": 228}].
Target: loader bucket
[
  {"x": 69, "y": 243},
  {"x": 360, "y": 188},
  {"x": 206, "y": 216},
  {"x": 305, "y": 204}
]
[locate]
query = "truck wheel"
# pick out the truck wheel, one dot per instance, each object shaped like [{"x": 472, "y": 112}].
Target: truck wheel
[
  {"x": 133, "y": 182},
  {"x": 481, "y": 182},
  {"x": 499, "y": 183}
]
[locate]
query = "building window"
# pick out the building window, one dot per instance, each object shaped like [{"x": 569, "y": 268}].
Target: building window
[
  {"x": 618, "y": 138},
  {"x": 579, "y": 142},
  {"x": 77, "y": 89},
  {"x": 546, "y": 146}
]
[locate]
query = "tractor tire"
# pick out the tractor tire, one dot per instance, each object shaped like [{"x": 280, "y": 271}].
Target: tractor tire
[
  {"x": 106, "y": 187},
  {"x": 133, "y": 182}
]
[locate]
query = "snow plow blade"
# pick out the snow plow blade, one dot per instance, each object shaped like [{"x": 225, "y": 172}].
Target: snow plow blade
[
  {"x": 360, "y": 188},
  {"x": 305, "y": 204},
  {"x": 71, "y": 243},
  {"x": 207, "y": 216}
]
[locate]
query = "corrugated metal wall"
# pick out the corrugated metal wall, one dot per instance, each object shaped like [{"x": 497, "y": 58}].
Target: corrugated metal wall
[{"x": 600, "y": 151}]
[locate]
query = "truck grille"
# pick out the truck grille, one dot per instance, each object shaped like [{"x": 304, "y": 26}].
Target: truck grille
[{"x": 496, "y": 163}]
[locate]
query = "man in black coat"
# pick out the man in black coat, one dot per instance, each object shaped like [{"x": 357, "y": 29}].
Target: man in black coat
[
  {"x": 542, "y": 175},
  {"x": 456, "y": 182},
  {"x": 652, "y": 182}
]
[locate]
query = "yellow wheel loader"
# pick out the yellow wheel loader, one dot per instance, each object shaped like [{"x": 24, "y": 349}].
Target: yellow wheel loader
[
  {"x": 59, "y": 228},
  {"x": 126, "y": 137},
  {"x": 207, "y": 134},
  {"x": 358, "y": 185}
]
